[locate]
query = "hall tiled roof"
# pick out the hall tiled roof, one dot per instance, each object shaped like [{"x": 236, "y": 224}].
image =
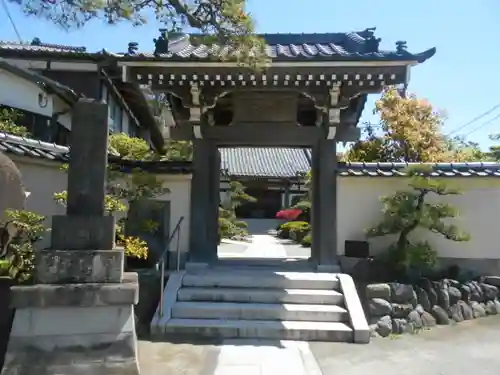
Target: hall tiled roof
[
  {"x": 264, "y": 162},
  {"x": 472, "y": 169},
  {"x": 22, "y": 146},
  {"x": 350, "y": 46},
  {"x": 37, "y": 48}
]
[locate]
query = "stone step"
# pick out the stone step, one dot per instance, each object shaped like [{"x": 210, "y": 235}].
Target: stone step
[
  {"x": 261, "y": 329},
  {"x": 307, "y": 296},
  {"x": 259, "y": 311},
  {"x": 262, "y": 279}
]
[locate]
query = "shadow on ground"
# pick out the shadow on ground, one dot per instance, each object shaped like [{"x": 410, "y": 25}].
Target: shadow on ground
[{"x": 470, "y": 347}]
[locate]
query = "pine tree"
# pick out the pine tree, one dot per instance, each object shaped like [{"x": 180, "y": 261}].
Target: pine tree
[{"x": 405, "y": 211}]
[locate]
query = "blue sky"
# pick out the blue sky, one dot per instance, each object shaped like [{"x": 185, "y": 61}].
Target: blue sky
[{"x": 462, "y": 78}]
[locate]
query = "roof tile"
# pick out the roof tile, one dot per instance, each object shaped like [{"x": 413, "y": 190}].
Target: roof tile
[
  {"x": 264, "y": 162},
  {"x": 352, "y": 46},
  {"x": 472, "y": 169}
]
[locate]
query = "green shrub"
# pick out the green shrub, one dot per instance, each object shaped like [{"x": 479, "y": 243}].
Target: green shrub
[
  {"x": 307, "y": 240},
  {"x": 19, "y": 262},
  {"x": 295, "y": 230}
]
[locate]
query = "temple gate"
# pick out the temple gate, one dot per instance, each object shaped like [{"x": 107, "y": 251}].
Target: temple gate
[{"x": 311, "y": 95}]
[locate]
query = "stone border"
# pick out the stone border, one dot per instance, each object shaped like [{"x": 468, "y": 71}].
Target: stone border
[
  {"x": 77, "y": 295},
  {"x": 174, "y": 283},
  {"x": 395, "y": 308},
  {"x": 361, "y": 331}
]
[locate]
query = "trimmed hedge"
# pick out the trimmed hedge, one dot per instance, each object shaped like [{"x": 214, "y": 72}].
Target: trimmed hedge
[{"x": 295, "y": 230}]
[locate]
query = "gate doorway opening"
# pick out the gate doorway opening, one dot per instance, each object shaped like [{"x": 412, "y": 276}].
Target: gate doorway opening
[{"x": 274, "y": 178}]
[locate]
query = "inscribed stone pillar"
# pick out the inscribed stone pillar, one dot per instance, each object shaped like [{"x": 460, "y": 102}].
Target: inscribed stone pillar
[
  {"x": 83, "y": 239},
  {"x": 78, "y": 318},
  {"x": 324, "y": 205},
  {"x": 204, "y": 202}
]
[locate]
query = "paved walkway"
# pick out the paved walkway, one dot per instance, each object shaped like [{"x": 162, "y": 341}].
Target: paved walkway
[
  {"x": 263, "y": 246},
  {"x": 252, "y": 357},
  {"x": 467, "y": 348}
]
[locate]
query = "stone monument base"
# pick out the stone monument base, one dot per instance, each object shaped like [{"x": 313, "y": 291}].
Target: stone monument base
[
  {"x": 75, "y": 329},
  {"x": 79, "y": 266}
]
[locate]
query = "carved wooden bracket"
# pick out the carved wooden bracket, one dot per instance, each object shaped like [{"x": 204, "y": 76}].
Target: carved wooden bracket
[
  {"x": 195, "y": 110},
  {"x": 333, "y": 111}
]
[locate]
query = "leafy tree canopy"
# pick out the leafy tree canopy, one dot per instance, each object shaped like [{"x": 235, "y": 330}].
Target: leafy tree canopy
[{"x": 410, "y": 131}]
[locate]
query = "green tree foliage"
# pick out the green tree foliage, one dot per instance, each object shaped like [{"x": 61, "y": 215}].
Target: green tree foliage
[
  {"x": 29, "y": 229},
  {"x": 178, "y": 151},
  {"x": 224, "y": 21},
  {"x": 410, "y": 130},
  {"x": 229, "y": 225},
  {"x": 8, "y": 119},
  {"x": 405, "y": 211},
  {"x": 494, "y": 152}
]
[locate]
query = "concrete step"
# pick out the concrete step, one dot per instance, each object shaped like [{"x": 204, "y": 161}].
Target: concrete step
[
  {"x": 262, "y": 329},
  {"x": 262, "y": 279},
  {"x": 259, "y": 311},
  {"x": 307, "y": 296}
]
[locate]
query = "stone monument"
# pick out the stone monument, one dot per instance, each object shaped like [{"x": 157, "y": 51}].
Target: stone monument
[{"x": 79, "y": 316}]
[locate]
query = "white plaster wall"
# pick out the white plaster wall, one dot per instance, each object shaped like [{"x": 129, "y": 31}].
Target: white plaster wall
[
  {"x": 359, "y": 208},
  {"x": 42, "y": 179},
  {"x": 20, "y": 93},
  {"x": 180, "y": 198}
]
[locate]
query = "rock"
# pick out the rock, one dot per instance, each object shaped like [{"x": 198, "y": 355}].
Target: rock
[
  {"x": 419, "y": 309},
  {"x": 384, "y": 326},
  {"x": 497, "y": 306},
  {"x": 476, "y": 294},
  {"x": 443, "y": 295},
  {"x": 455, "y": 295},
  {"x": 428, "y": 320},
  {"x": 491, "y": 308},
  {"x": 467, "y": 313},
  {"x": 465, "y": 290},
  {"x": 456, "y": 314},
  {"x": 414, "y": 300},
  {"x": 490, "y": 292},
  {"x": 426, "y": 285},
  {"x": 379, "y": 307},
  {"x": 477, "y": 310},
  {"x": 401, "y": 293},
  {"x": 401, "y": 310},
  {"x": 373, "y": 330},
  {"x": 378, "y": 291},
  {"x": 415, "y": 319},
  {"x": 440, "y": 315},
  {"x": 492, "y": 280},
  {"x": 423, "y": 298},
  {"x": 400, "y": 326}
]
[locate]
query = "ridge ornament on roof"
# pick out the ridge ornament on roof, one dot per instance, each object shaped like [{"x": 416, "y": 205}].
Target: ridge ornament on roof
[{"x": 351, "y": 46}]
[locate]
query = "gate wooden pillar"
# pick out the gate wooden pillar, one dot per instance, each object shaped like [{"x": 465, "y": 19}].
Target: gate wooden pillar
[
  {"x": 204, "y": 202},
  {"x": 324, "y": 205}
]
